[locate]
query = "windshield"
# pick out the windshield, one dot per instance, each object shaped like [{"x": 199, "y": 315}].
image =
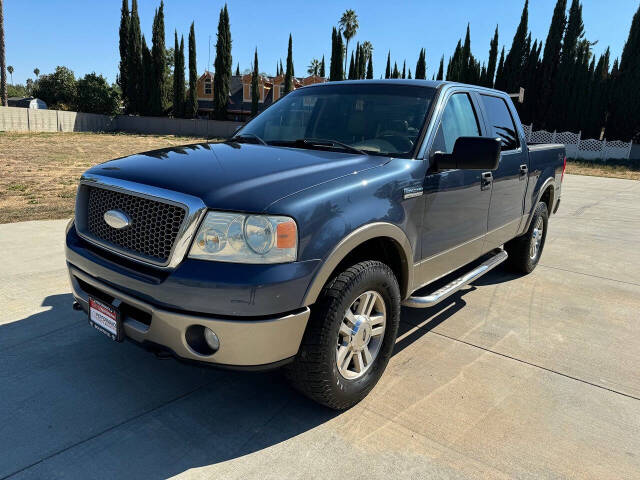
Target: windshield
[{"x": 382, "y": 119}]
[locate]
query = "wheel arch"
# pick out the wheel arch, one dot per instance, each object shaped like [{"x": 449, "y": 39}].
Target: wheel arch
[
  {"x": 546, "y": 194},
  {"x": 375, "y": 241}
]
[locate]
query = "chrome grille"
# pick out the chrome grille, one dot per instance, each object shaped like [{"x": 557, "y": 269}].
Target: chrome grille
[{"x": 154, "y": 224}]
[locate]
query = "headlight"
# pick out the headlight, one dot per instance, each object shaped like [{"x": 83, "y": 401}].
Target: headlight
[{"x": 235, "y": 237}]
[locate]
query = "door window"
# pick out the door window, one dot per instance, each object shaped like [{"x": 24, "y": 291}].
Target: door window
[
  {"x": 458, "y": 120},
  {"x": 501, "y": 121}
]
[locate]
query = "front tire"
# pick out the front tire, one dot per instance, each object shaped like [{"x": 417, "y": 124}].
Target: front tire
[
  {"x": 350, "y": 336},
  {"x": 525, "y": 250}
]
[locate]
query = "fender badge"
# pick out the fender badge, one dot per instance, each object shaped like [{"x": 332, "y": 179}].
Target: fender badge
[{"x": 411, "y": 192}]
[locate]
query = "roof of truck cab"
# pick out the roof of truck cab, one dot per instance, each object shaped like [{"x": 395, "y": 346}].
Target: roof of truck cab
[{"x": 388, "y": 81}]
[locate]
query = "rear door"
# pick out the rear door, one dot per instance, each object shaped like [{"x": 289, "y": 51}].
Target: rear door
[
  {"x": 456, "y": 201},
  {"x": 510, "y": 179}
]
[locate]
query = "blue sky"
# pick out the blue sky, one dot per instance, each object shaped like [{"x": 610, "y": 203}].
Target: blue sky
[{"x": 83, "y": 35}]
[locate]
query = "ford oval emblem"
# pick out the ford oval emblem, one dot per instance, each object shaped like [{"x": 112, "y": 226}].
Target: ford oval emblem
[{"x": 116, "y": 219}]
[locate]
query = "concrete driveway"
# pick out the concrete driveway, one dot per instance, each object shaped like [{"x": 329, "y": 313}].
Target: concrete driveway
[{"x": 527, "y": 377}]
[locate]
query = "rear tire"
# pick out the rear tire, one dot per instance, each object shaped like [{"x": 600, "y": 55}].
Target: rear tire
[
  {"x": 323, "y": 370},
  {"x": 525, "y": 251}
]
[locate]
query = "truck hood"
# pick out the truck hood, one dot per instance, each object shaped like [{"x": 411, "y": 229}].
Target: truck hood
[{"x": 231, "y": 176}]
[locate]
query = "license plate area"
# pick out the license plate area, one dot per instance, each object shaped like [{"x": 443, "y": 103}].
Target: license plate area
[{"x": 106, "y": 319}]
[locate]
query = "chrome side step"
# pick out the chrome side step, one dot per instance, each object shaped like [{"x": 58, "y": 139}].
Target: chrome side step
[{"x": 452, "y": 287}]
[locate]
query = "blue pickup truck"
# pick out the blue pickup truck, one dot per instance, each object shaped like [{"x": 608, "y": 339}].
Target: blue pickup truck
[{"x": 296, "y": 242}]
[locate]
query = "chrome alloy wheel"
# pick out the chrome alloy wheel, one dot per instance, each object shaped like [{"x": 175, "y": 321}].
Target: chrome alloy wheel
[
  {"x": 361, "y": 334},
  {"x": 536, "y": 239}
]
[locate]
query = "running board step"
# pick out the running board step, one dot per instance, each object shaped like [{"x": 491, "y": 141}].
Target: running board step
[{"x": 452, "y": 287}]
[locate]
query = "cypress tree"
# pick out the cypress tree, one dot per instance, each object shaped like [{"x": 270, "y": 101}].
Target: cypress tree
[
  {"x": 178, "y": 78},
  {"x": 191, "y": 107},
  {"x": 466, "y": 64},
  {"x": 500, "y": 83},
  {"x": 513, "y": 62},
  {"x": 421, "y": 65},
  {"x": 395, "y": 73},
  {"x": 440, "y": 69},
  {"x": 493, "y": 58},
  {"x": 4, "y": 98},
  {"x": 404, "y": 69},
  {"x": 124, "y": 48},
  {"x": 159, "y": 55},
  {"x": 134, "y": 63},
  {"x": 409, "y": 75},
  {"x": 146, "y": 80},
  {"x": 351, "y": 69},
  {"x": 370, "y": 68},
  {"x": 356, "y": 64},
  {"x": 387, "y": 73},
  {"x": 281, "y": 68},
  {"x": 550, "y": 62},
  {"x": 238, "y": 69},
  {"x": 288, "y": 78},
  {"x": 322, "y": 68},
  {"x": 336, "y": 73},
  {"x": 624, "y": 121},
  {"x": 223, "y": 62},
  {"x": 255, "y": 94}
]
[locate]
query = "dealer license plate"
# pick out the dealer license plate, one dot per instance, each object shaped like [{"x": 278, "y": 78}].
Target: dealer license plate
[{"x": 106, "y": 319}]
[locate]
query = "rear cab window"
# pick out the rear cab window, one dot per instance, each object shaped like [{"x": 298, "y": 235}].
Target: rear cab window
[{"x": 500, "y": 121}]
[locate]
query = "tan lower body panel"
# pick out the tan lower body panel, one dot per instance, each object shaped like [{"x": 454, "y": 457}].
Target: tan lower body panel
[{"x": 242, "y": 342}]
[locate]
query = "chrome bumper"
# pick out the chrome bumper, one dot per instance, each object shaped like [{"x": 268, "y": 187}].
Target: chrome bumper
[{"x": 243, "y": 343}]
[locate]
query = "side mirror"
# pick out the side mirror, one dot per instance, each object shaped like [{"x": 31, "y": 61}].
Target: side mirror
[{"x": 471, "y": 153}]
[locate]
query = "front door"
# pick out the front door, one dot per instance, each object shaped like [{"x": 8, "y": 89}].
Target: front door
[
  {"x": 511, "y": 177},
  {"x": 456, "y": 201}
]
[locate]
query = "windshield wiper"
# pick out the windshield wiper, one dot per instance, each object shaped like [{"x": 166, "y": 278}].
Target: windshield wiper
[
  {"x": 321, "y": 142},
  {"x": 240, "y": 136}
]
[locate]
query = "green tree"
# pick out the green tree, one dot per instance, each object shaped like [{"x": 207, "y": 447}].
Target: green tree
[
  {"x": 515, "y": 58},
  {"x": 135, "y": 79},
  {"x": 356, "y": 64},
  {"x": 191, "y": 107},
  {"x": 500, "y": 83},
  {"x": 146, "y": 87},
  {"x": 440, "y": 75},
  {"x": 223, "y": 62},
  {"x": 10, "y": 70},
  {"x": 255, "y": 94},
  {"x": 314, "y": 67},
  {"x": 178, "y": 78},
  {"x": 238, "y": 69},
  {"x": 321, "y": 72},
  {"x": 549, "y": 67},
  {"x": 421, "y": 65},
  {"x": 493, "y": 58},
  {"x": 370, "y": 68},
  {"x": 36, "y": 72},
  {"x": 123, "y": 44},
  {"x": 409, "y": 74},
  {"x": 395, "y": 73},
  {"x": 404, "y": 69},
  {"x": 95, "y": 95},
  {"x": 3, "y": 75},
  {"x": 349, "y": 27},
  {"x": 288, "y": 76},
  {"x": 158, "y": 53},
  {"x": 336, "y": 72},
  {"x": 351, "y": 69},
  {"x": 387, "y": 72},
  {"x": 57, "y": 89},
  {"x": 624, "y": 121}
]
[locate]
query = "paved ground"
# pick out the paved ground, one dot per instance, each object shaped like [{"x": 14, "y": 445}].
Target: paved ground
[{"x": 514, "y": 377}]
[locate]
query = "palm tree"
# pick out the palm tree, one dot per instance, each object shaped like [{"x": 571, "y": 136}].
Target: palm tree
[
  {"x": 367, "y": 48},
  {"x": 314, "y": 67},
  {"x": 348, "y": 26},
  {"x": 10, "y": 70},
  {"x": 36, "y": 72}
]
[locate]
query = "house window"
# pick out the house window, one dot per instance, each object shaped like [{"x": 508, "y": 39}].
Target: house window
[{"x": 207, "y": 86}]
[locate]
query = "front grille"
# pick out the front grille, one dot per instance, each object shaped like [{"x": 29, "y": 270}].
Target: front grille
[{"x": 154, "y": 225}]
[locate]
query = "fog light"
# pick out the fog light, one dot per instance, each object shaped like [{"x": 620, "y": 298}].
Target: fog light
[{"x": 211, "y": 339}]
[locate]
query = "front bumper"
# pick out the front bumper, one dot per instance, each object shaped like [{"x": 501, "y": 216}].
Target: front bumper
[{"x": 243, "y": 343}]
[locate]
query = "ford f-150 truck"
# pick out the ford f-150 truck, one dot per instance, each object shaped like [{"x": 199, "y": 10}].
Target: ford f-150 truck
[{"x": 296, "y": 242}]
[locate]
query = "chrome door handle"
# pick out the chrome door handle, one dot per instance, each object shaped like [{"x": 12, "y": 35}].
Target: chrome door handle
[{"x": 485, "y": 180}]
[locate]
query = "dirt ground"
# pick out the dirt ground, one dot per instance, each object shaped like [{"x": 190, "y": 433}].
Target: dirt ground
[{"x": 39, "y": 172}]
